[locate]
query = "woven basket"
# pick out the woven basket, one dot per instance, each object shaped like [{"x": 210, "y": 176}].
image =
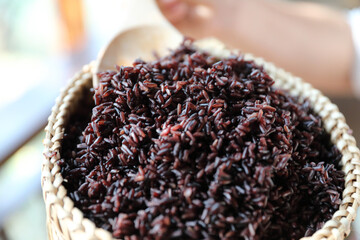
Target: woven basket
[{"x": 64, "y": 221}]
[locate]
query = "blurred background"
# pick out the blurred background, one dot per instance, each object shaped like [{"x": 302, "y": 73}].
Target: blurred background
[{"x": 42, "y": 44}]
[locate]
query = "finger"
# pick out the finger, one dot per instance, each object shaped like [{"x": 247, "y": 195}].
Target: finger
[
  {"x": 190, "y": 17},
  {"x": 174, "y": 10}
]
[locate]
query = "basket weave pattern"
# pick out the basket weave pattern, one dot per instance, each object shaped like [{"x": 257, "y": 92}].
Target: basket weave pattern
[{"x": 64, "y": 221}]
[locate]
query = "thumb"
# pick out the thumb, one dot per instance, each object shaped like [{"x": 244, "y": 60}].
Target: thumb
[
  {"x": 177, "y": 11},
  {"x": 174, "y": 10}
]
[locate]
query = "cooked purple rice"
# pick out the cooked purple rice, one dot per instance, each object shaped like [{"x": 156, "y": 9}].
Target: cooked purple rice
[{"x": 193, "y": 147}]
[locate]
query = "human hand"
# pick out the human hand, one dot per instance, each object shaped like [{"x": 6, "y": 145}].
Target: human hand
[{"x": 203, "y": 18}]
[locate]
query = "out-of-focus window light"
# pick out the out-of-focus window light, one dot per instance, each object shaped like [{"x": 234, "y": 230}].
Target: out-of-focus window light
[{"x": 26, "y": 39}]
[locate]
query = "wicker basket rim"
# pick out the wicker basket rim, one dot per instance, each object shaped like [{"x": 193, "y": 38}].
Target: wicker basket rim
[{"x": 64, "y": 221}]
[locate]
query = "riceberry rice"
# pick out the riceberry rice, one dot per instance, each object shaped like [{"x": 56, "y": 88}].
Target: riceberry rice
[{"x": 194, "y": 147}]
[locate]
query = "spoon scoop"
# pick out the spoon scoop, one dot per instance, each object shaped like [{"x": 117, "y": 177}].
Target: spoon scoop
[{"x": 146, "y": 33}]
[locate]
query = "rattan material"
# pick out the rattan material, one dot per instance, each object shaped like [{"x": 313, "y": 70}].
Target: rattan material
[{"x": 64, "y": 221}]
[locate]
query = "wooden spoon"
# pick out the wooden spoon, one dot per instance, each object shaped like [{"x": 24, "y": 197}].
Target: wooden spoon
[{"x": 145, "y": 32}]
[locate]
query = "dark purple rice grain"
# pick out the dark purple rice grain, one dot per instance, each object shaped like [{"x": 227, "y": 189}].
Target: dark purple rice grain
[{"x": 190, "y": 147}]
